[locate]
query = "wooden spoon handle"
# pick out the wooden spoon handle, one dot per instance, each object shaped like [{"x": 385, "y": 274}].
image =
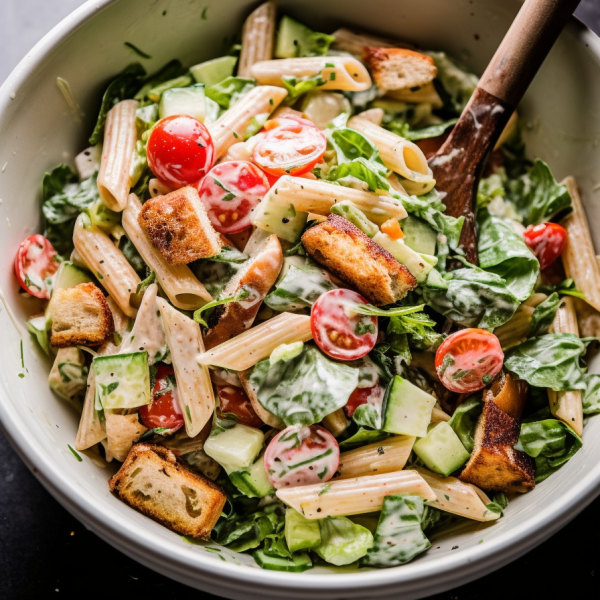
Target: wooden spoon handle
[{"x": 524, "y": 48}]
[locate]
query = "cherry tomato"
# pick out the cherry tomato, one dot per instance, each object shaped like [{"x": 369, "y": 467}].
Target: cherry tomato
[
  {"x": 164, "y": 411},
  {"x": 357, "y": 397},
  {"x": 234, "y": 400},
  {"x": 292, "y": 148},
  {"x": 338, "y": 330},
  {"x": 35, "y": 263},
  {"x": 468, "y": 360},
  {"x": 230, "y": 192},
  {"x": 180, "y": 151},
  {"x": 546, "y": 241},
  {"x": 301, "y": 456}
]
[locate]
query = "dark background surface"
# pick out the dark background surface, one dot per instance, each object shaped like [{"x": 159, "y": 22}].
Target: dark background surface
[{"x": 45, "y": 552}]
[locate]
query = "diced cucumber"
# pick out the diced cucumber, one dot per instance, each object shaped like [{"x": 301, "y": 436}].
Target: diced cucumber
[
  {"x": 280, "y": 219},
  {"x": 179, "y": 82},
  {"x": 236, "y": 448},
  {"x": 101, "y": 216},
  {"x": 408, "y": 410},
  {"x": 357, "y": 217},
  {"x": 286, "y": 352},
  {"x": 301, "y": 533},
  {"x": 253, "y": 481},
  {"x": 183, "y": 101},
  {"x": 419, "y": 236},
  {"x": 406, "y": 256},
  {"x": 323, "y": 107},
  {"x": 441, "y": 449},
  {"x": 68, "y": 376},
  {"x": 213, "y": 111},
  {"x": 122, "y": 380},
  {"x": 214, "y": 71},
  {"x": 39, "y": 328},
  {"x": 435, "y": 280},
  {"x": 295, "y": 39},
  {"x": 296, "y": 564},
  {"x": 68, "y": 275}
]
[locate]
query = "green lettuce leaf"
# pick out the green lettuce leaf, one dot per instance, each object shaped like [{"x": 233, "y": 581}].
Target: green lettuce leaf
[
  {"x": 454, "y": 83},
  {"x": 297, "y": 86},
  {"x": 361, "y": 170},
  {"x": 403, "y": 129},
  {"x": 362, "y": 437},
  {"x": 543, "y": 315},
  {"x": 418, "y": 327},
  {"x": 591, "y": 395},
  {"x": 342, "y": 541},
  {"x": 367, "y": 415},
  {"x": 227, "y": 92},
  {"x": 464, "y": 421}
]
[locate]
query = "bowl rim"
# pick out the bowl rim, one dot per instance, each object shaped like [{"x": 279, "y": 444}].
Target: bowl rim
[{"x": 173, "y": 559}]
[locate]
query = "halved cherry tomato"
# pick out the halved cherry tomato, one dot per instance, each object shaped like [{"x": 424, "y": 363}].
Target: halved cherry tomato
[
  {"x": 301, "y": 456},
  {"x": 234, "y": 400},
  {"x": 468, "y": 360},
  {"x": 180, "y": 151},
  {"x": 392, "y": 228},
  {"x": 164, "y": 410},
  {"x": 35, "y": 263},
  {"x": 547, "y": 241},
  {"x": 357, "y": 397},
  {"x": 230, "y": 192},
  {"x": 292, "y": 148},
  {"x": 340, "y": 331}
]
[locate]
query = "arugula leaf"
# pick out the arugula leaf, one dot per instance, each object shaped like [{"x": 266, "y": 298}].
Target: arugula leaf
[
  {"x": 395, "y": 311},
  {"x": 564, "y": 288},
  {"x": 464, "y": 421},
  {"x": 362, "y": 437},
  {"x": 591, "y": 395},
  {"x": 298, "y": 86},
  {"x": 419, "y": 329},
  {"x": 242, "y": 294},
  {"x": 543, "y": 315},
  {"x": 230, "y": 90},
  {"x": 342, "y": 541},
  {"x": 146, "y": 283}
]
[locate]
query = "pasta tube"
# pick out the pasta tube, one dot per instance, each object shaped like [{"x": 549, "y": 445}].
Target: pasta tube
[
  {"x": 117, "y": 154},
  {"x": 91, "y": 429},
  {"x": 258, "y": 37},
  {"x": 338, "y": 72},
  {"x": 194, "y": 387},
  {"x": 336, "y": 422},
  {"x": 438, "y": 415},
  {"x": 381, "y": 457},
  {"x": 245, "y": 350},
  {"x": 516, "y": 329},
  {"x": 354, "y": 496},
  {"x": 108, "y": 263},
  {"x": 401, "y": 156},
  {"x": 177, "y": 281}
]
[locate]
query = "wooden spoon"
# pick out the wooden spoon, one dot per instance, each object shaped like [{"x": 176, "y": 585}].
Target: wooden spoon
[{"x": 458, "y": 164}]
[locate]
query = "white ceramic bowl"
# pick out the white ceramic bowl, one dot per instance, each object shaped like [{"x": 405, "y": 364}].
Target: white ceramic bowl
[{"x": 38, "y": 131}]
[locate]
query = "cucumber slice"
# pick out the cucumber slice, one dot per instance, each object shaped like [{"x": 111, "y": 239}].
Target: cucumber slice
[
  {"x": 408, "y": 410},
  {"x": 68, "y": 376},
  {"x": 357, "y": 217},
  {"x": 295, "y": 39},
  {"x": 235, "y": 448},
  {"x": 214, "y": 71},
  {"x": 435, "y": 280},
  {"x": 441, "y": 450},
  {"x": 101, "y": 216},
  {"x": 323, "y": 107},
  {"x": 419, "y": 236},
  {"x": 183, "y": 101},
  {"x": 179, "y": 82},
  {"x": 39, "y": 328},
  {"x": 253, "y": 481},
  {"x": 280, "y": 219},
  {"x": 301, "y": 533},
  {"x": 68, "y": 275},
  {"x": 122, "y": 380},
  {"x": 296, "y": 564},
  {"x": 406, "y": 256}
]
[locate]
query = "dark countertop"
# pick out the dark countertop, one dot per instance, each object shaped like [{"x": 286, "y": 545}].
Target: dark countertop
[{"x": 46, "y": 552}]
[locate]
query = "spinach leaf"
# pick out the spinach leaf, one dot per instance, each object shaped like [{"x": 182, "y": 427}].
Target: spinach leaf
[
  {"x": 566, "y": 287},
  {"x": 300, "y": 391},
  {"x": 419, "y": 328},
  {"x": 464, "y": 420},
  {"x": 342, "y": 541},
  {"x": 367, "y": 415},
  {"x": 591, "y": 395},
  {"x": 362, "y": 437},
  {"x": 361, "y": 170},
  {"x": 351, "y": 145},
  {"x": 297, "y": 86},
  {"x": 456, "y": 83},
  {"x": 543, "y": 315},
  {"x": 230, "y": 90},
  {"x": 549, "y": 361}
]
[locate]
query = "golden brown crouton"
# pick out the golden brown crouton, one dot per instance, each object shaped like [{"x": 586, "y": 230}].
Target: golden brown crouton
[
  {"x": 347, "y": 252},
  {"x": 80, "y": 317},
  {"x": 399, "y": 68},
  {"x": 178, "y": 226},
  {"x": 155, "y": 484}
]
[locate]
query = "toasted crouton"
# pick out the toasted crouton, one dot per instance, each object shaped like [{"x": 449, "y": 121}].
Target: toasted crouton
[
  {"x": 347, "y": 252},
  {"x": 80, "y": 317},
  {"x": 399, "y": 68},
  {"x": 178, "y": 227},
  {"x": 155, "y": 484}
]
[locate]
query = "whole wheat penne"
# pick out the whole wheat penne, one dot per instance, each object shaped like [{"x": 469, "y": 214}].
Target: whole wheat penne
[
  {"x": 342, "y": 73},
  {"x": 91, "y": 429},
  {"x": 459, "y": 498},
  {"x": 354, "y": 496},
  {"x": 194, "y": 387},
  {"x": 386, "y": 456},
  {"x": 245, "y": 350},
  {"x": 117, "y": 154},
  {"x": 107, "y": 262},
  {"x": 231, "y": 127},
  {"x": 567, "y": 406},
  {"x": 336, "y": 422},
  {"x": 258, "y": 37},
  {"x": 401, "y": 156},
  {"x": 177, "y": 281},
  {"x": 355, "y": 43}
]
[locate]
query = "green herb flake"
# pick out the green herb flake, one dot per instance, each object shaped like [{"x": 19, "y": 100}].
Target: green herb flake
[
  {"x": 22, "y": 357},
  {"x": 188, "y": 413},
  {"x": 74, "y": 453},
  {"x": 21, "y": 375},
  {"x": 271, "y": 101},
  {"x": 204, "y": 11},
  {"x": 211, "y": 549},
  {"x": 137, "y": 50},
  {"x": 235, "y": 135},
  {"x": 324, "y": 490},
  {"x": 332, "y": 76},
  {"x": 329, "y": 66},
  {"x": 99, "y": 275},
  {"x": 447, "y": 497}
]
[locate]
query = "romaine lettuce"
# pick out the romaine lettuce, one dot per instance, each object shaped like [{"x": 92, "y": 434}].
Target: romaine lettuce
[{"x": 342, "y": 541}]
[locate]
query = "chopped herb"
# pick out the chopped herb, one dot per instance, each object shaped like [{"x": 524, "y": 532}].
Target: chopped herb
[
  {"x": 332, "y": 76},
  {"x": 271, "y": 101},
  {"x": 164, "y": 13},
  {"x": 486, "y": 379},
  {"x": 117, "y": 338},
  {"x": 21, "y": 375},
  {"x": 447, "y": 497},
  {"x": 22, "y": 358},
  {"x": 324, "y": 490},
  {"x": 99, "y": 275},
  {"x": 329, "y": 66},
  {"x": 137, "y": 50},
  {"x": 204, "y": 11},
  {"x": 323, "y": 473},
  {"x": 74, "y": 453},
  {"x": 211, "y": 549},
  {"x": 188, "y": 413},
  {"x": 235, "y": 135}
]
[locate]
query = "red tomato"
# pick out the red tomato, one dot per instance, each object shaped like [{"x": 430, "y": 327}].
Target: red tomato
[
  {"x": 468, "y": 360},
  {"x": 546, "y": 241},
  {"x": 35, "y": 263},
  {"x": 164, "y": 411},
  {"x": 230, "y": 192},
  {"x": 338, "y": 330},
  {"x": 180, "y": 150},
  {"x": 234, "y": 400},
  {"x": 301, "y": 456},
  {"x": 293, "y": 148},
  {"x": 357, "y": 397}
]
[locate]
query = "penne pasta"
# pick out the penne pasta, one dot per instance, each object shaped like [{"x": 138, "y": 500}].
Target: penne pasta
[
  {"x": 336, "y": 422},
  {"x": 355, "y": 43},
  {"x": 343, "y": 73},
  {"x": 245, "y": 350},
  {"x": 177, "y": 281},
  {"x": 194, "y": 387},
  {"x": 579, "y": 256},
  {"x": 516, "y": 329},
  {"x": 117, "y": 154},
  {"x": 91, "y": 429},
  {"x": 401, "y": 156},
  {"x": 108, "y": 263},
  {"x": 438, "y": 415},
  {"x": 258, "y": 37},
  {"x": 156, "y": 188},
  {"x": 354, "y": 496},
  {"x": 386, "y": 456},
  {"x": 231, "y": 127}
]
